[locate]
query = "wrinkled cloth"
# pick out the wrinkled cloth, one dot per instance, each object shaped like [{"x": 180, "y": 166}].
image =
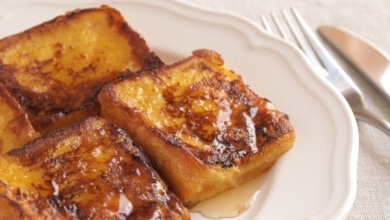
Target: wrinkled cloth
[{"x": 369, "y": 19}]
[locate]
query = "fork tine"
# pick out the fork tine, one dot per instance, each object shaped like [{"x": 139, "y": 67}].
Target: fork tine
[
  {"x": 266, "y": 25},
  {"x": 300, "y": 42},
  {"x": 279, "y": 27},
  {"x": 289, "y": 34},
  {"x": 323, "y": 56},
  {"x": 299, "y": 38}
]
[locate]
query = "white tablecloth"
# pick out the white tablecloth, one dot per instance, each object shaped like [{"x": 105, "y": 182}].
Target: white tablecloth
[{"x": 371, "y": 20}]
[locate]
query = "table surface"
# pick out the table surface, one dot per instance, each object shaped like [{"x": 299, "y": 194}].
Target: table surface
[{"x": 369, "y": 19}]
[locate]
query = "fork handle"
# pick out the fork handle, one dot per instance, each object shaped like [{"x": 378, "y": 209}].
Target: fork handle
[{"x": 368, "y": 116}]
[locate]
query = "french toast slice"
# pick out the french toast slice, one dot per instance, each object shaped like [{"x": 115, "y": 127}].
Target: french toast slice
[
  {"x": 89, "y": 171},
  {"x": 56, "y": 69},
  {"x": 15, "y": 131},
  {"x": 8, "y": 210},
  {"x": 203, "y": 128},
  {"x": 15, "y": 127}
]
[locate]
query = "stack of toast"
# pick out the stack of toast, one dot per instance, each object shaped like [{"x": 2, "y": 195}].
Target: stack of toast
[{"x": 95, "y": 125}]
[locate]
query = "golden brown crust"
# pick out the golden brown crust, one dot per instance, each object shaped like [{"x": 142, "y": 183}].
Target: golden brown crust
[
  {"x": 199, "y": 123},
  {"x": 91, "y": 171},
  {"x": 9, "y": 210},
  {"x": 15, "y": 127},
  {"x": 58, "y": 67}
]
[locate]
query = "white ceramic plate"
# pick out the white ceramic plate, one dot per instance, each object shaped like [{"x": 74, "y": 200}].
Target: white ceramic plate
[{"x": 317, "y": 177}]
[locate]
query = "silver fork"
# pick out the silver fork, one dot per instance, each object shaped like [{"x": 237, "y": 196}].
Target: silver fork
[{"x": 325, "y": 65}]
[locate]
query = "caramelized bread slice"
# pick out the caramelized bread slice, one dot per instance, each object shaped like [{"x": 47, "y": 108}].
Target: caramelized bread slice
[
  {"x": 15, "y": 127},
  {"x": 56, "y": 69},
  {"x": 202, "y": 127},
  {"x": 15, "y": 131},
  {"x": 91, "y": 171},
  {"x": 8, "y": 210}
]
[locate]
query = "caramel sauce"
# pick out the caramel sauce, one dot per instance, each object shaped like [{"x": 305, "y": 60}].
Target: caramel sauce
[{"x": 231, "y": 203}]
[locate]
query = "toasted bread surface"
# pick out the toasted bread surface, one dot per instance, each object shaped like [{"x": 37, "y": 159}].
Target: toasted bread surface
[
  {"x": 203, "y": 128},
  {"x": 55, "y": 69},
  {"x": 9, "y": 210},
  {"x": 15, "y": 127},
  {"x": 89, "y": 171}
]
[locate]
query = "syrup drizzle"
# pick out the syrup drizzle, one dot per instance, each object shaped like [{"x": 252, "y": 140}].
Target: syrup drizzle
[{"x": 231, "y": 203}]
